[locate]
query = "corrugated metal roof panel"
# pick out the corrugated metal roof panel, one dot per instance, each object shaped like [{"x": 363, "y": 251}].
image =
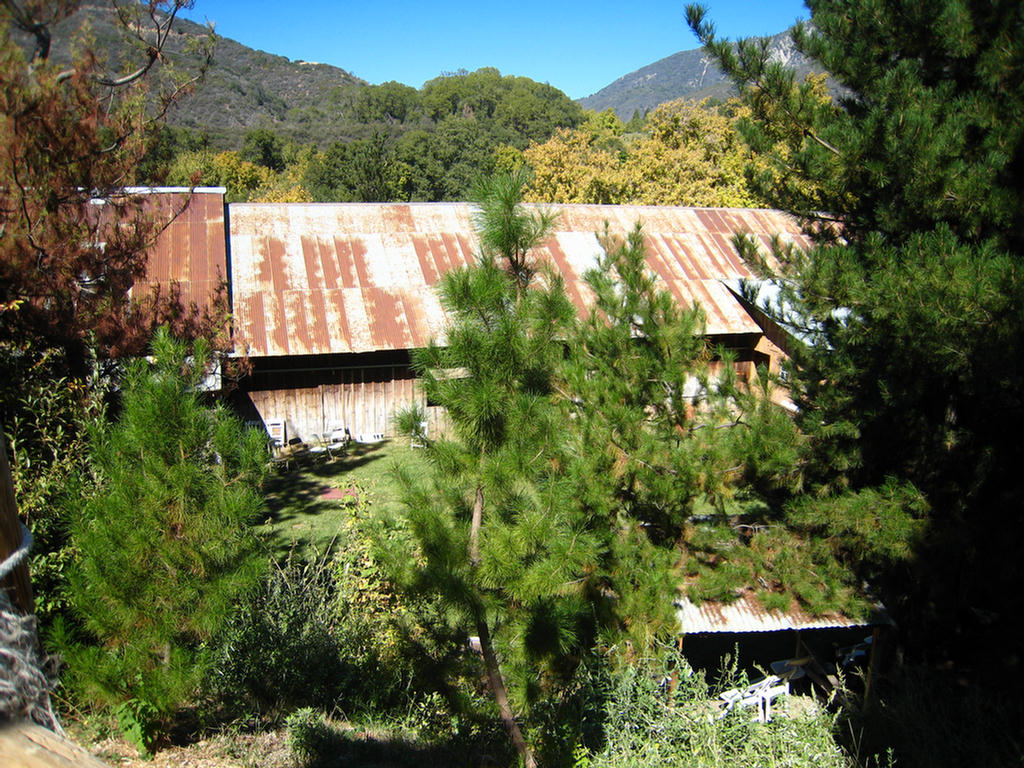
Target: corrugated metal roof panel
[
  {"x": 191, "y": 249},
  {"x": 372, "y": 267},
  {"x": 747, "y": 614}
]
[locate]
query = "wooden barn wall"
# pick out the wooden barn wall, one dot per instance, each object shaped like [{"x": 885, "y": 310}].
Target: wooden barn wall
[
  {"x": 319, "y": 399},
  {"x": 318, "y": 394}
]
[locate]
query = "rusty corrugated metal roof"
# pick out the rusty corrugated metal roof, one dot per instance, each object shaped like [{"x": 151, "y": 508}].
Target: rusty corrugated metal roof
[
  {"x": 192, "y": 250},
  {"x": 358, "y": 277},
  {"x": 747, "y": 614}
]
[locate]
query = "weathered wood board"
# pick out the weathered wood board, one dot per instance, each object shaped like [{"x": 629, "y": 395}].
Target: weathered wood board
[{"x": 27, "y": 745}]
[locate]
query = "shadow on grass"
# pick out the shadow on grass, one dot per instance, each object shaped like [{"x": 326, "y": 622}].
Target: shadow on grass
[{"x": 294, "y": 493}]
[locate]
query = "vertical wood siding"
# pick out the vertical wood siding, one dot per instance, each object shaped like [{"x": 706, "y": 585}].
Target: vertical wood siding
[{"x": 364, "y": 407}]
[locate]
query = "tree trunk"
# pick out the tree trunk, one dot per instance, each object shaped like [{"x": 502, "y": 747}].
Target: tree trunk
[
  {"x": 494, "y": 678},
  {"x": 497, "y": 684},
  {"x": 474, "y": 528},
  {"x": 10, "y": 537}
]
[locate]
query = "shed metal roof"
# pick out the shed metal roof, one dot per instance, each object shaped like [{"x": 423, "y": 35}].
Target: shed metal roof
[
  {"x": 358, "y": 277},
  {"x": 192, "y": 249},
  {"x": 747, "y": 614}
]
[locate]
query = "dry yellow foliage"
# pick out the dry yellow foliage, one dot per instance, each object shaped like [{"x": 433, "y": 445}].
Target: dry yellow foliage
[{"x": 691, "y": 154}]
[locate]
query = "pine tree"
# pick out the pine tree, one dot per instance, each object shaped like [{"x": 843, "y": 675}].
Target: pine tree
[
  {"x": 493, "y": 534},
  {"x": 164, "y": 540},
  {"x": 593, "y": 469},
  {"x": 912, "y": 184}
]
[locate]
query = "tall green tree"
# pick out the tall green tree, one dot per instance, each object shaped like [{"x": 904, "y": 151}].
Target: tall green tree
[
  {"x": 163, "y": 535},
  {"x": 489, "y": 535},
  {"x": 912, "y": 184},
  {"x": 593, "y": 468},
  {"x": 263, "y": 147}
]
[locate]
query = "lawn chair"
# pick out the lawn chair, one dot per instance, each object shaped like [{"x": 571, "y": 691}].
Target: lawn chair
[
  {"x": 280, "y": 456},
  {"x": 318, "y": 447},
  {"x": 338, "y": 440},
  {"x": 278, "y": 431},
  {"x": 759, "y": 694}
]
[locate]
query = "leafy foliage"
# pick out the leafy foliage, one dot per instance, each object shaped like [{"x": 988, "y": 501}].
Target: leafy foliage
[
  {"x": 688, "y": 154},
  {"x": 45, "y": 414},
  {"x": 71, "y": 134},
  {"x": 280, "y": 647},
  {"x": 656, "y": 712},
  {"x": 309, "y": 737},
  {"x": 398, "y": 144}
]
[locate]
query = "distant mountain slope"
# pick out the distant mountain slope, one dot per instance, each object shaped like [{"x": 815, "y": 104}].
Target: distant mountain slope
[
  {"x": 244, "y": 88},
  {"x": 689, "y": 74}
]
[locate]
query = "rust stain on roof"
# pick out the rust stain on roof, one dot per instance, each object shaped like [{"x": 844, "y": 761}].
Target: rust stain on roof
[{"x": 361, "y": 276}]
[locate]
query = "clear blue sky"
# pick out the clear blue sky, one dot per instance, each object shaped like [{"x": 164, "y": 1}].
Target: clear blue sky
[{"x": 579, "y": 47}]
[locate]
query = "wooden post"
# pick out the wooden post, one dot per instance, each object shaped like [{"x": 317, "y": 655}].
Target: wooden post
[
  {"x": 27, "y": 745},
  {"x": 10, "y": 537},
  {"x": 875, "y": 635}
]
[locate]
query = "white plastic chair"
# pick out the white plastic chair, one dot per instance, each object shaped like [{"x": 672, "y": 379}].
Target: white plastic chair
[{"x": 759, "y": 694}]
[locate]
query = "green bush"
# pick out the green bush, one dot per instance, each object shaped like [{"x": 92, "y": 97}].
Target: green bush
[
  {"x": 138, "y": 723},
  {"x": 44, "y": 413},
  {"x": 281, "y": 648},
  {"x": 657, "y": 711},
  {"x": 327, "y": 632},
  {"x": 309, "y": 737}
]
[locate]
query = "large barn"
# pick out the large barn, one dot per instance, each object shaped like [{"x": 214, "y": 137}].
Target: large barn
[{"x": 328, "y": 299}]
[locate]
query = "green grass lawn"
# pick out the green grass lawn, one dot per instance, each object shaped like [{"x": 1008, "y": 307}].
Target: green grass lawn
[{"x": 302, "y": 515}]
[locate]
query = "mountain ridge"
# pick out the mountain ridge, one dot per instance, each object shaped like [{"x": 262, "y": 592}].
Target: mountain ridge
[
  {"x": 312, "y": 102},
  {"x": 244, "y": 88},
  {"x": 690, "y": 74}
]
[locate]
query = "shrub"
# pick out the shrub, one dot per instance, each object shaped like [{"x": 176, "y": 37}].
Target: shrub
[
  {"x": 325, "y": 633},
  {"x": 280, "y": 649},
  {"x": 659, "y": 711},
  {"x": 309, "y": 737}
]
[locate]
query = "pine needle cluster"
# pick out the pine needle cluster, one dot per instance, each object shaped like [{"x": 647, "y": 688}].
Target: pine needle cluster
[
  {"x": 909, "y": 385},
  {"x": 593, "y": 468}
]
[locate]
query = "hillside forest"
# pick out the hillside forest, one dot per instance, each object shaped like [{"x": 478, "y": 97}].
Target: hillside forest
[
  {"x": 432, "y": 144},
  {"x": 504, "y": 592}
]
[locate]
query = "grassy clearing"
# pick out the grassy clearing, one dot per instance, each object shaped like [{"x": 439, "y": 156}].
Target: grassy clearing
[{"x": 305, "y": 502}]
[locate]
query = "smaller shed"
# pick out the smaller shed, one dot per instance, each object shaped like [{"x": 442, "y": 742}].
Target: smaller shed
[
  {"x": 190, "y": 250},
  {"x": 711, "y": 629}
]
